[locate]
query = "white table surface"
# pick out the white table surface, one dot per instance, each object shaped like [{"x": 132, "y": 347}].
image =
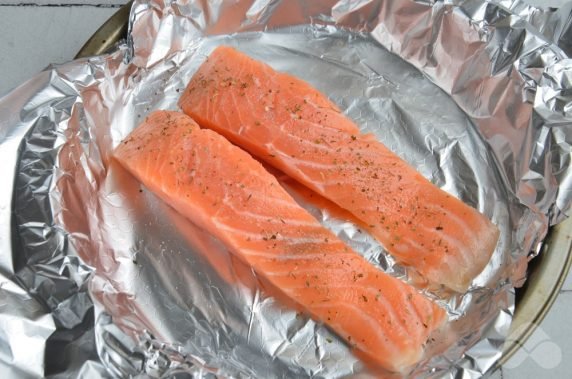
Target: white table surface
[{"x": 32, "y": 36}]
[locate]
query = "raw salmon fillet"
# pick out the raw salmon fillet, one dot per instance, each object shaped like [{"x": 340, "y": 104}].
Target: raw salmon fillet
[
  {"x": 225, "y": 191},
  {"x": 293, "y": 127}
]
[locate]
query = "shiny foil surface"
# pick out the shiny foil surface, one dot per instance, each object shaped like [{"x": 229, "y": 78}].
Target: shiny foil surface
[{"x": 101, "y": 279}]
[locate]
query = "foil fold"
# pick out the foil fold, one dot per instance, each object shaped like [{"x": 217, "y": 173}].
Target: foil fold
[{"x": 105, "y": 280}]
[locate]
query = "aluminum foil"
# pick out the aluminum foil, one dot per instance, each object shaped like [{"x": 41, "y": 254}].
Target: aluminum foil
[{"x": 101, "y": 279}]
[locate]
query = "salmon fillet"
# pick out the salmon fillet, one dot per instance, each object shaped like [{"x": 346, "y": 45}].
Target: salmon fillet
[
  {"x": 225, "y": 191},
  {"x": 293, "y": 127}
]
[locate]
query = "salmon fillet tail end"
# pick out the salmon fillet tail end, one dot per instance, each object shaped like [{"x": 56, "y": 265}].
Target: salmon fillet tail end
[
  {"x": 223, "y": 190},
  {"x": 291, "y": 126}
]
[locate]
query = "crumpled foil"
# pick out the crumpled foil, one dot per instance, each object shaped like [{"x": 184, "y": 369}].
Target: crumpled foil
[{"x": 98, "y": 278}]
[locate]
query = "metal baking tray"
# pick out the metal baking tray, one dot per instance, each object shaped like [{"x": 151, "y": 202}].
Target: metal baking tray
[{"x": 546, "y": 273}]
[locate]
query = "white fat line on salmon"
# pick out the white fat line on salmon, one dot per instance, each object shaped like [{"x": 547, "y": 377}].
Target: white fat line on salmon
[
  {"x": 195, "y": 162},
  {"x": 208, "y": 101},
  {"x": 286, "y": 203},
  {"x": 237, "y": 109},
  {"x": 408, "y": 258},
  {"x": 458, "y": 220},
  {"x": 150, "y": 160},
  {"x": 216, "y": 113},
  {"x": 254, "y": 195},
  {"x": 377, "y": 297},
  {"x": 412, "y": 311},
  {"x": 436, "y": 232},
  {"x": 162, "y": 169},
  {"x": 305, "y": 123},
  {"x": 308, "y": 102},
  {"x": 401, "y": 244},
  {"x": 429, "y": 322},
  {"x": 286, "y": 256},
  {"x": 464, "y": 251},
  {"x": 146, "y": 167},
  {"x": 297, "y": 272},
  {"x": 321, "y": 144},
  {"x": 249, "y": 102},
  {"x": 271, "y": 218},
  {"x": 283, "y": 236},
  {"x": 236, "y": 232},
  {"x": 324, "y": 142},
  {"x": 356, "y": 312},
  {"x": 322, "y": 166}
]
